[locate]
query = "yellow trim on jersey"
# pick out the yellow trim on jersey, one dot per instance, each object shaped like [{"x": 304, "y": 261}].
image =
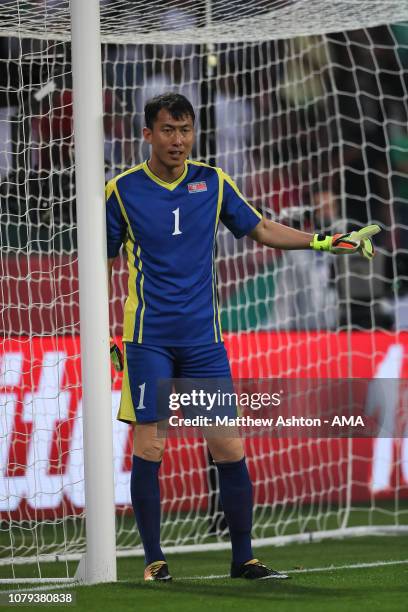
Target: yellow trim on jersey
[
  {"x": 216, "y": 308},
  {"x": 159, "y": 181},
  {"x": 140, "y": 264},
  {"x": 126, "y": 410},
  {"x": 108, "y": 189},
  {"x": 123, "y": 209},
  {"x": 197, "y": 163},
  {"x": 129, "y": 171},
  {"x": 219, "y": 318},
  {"x": 132, "y": 300},
  {"x": 214, "y": 284},
  {"x": 237, "y": 191},
  {"x": 112, "y": 185},
  {"x": 219, "y": 204},
  {"x": 226, "y": 177},
  {"x": 213, "y": 297}
]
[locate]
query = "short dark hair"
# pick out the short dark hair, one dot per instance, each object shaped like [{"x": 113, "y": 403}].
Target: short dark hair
[{"x": 176, "y": 104}]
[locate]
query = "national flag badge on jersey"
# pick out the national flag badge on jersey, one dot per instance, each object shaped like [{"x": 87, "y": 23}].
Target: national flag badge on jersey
[{"x": 196, "y": 187}]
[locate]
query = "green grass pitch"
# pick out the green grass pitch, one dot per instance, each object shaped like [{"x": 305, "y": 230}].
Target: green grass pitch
[{"x": 325, "y": 577}]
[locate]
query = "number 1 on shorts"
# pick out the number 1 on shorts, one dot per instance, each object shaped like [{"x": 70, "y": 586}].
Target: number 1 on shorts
[{"x": 141, "y": 405}]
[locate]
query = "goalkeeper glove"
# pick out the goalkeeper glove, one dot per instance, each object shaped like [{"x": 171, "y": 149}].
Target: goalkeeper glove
[
  {"x": 344, "y": 244},
  {"x": 116, "y": 356}
]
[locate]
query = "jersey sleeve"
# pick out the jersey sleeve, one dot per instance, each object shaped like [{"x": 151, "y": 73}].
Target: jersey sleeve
[
  {"x": 115, "y": 222},
  {"x": 236, "y": 213}
]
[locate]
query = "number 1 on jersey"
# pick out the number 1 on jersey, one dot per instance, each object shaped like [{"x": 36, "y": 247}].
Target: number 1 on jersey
[{"x": 176, "y": 214}]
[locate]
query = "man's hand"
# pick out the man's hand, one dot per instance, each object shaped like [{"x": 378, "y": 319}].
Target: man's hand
[
  {"x": 345, "y": 244},
  {"x": 116, "y": 356}
]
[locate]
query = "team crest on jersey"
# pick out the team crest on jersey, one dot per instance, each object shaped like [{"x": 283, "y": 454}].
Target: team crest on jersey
[{"x": 196, "y": 187}]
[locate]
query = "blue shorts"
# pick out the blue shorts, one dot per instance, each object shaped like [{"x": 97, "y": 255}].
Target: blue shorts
[{"x": 147, "y": 366}]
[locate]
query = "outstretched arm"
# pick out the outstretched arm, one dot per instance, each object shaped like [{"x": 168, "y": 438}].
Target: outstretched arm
[
  {"x": 239, "y": 216},
  {"x": 280, "y": 236}
]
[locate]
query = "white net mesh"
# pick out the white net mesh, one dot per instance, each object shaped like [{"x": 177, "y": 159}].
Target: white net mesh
[
  {"x": 305, "y": 105},
  {"x": 202, "y": 21}
]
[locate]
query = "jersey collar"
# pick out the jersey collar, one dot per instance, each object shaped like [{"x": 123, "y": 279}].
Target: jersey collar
[{"x": 156, "y": 179}]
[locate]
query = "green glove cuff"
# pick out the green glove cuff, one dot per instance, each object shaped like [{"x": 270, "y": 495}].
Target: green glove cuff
[
  {"x": 321, "y": 242},
  {"x": 116, "y": 358}
]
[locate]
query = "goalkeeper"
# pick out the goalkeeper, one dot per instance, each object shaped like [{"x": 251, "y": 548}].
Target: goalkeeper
[{"x": 166, "y": 211}]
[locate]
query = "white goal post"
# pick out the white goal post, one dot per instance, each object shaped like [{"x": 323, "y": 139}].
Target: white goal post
[
  {"x": 304, "y": 103},
  {"x": 99, "y": 561}
]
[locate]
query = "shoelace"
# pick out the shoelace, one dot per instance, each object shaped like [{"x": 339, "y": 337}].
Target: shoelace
[
  {"x": 255, "y": 562},
  {"x": 154, "y": 568}
]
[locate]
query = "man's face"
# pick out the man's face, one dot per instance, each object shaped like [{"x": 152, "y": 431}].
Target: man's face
[{"x": 171, "y": 139}]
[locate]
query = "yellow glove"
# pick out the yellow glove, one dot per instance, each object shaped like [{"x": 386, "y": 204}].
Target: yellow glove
[
  {"x": 345, "y": 244},
  {"x": 116, "y": 356},
  {"x": 366, "y": 246}
]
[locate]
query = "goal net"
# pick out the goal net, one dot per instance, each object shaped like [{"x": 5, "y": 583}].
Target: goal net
[{"x": 304, "y": 104}]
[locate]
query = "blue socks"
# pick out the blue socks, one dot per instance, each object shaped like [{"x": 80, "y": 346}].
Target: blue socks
[
  {"x": 145, "y": 493},
  {"x": 236, "y": 499}
]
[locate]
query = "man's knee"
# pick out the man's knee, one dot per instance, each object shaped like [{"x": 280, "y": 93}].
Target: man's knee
[
  {"x": 226, "y": 450},
  {"x": 146, "y": 443}
]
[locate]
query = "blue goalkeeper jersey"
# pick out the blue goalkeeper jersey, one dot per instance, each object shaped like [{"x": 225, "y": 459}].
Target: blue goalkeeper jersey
[{"x": 169, "y": 232}]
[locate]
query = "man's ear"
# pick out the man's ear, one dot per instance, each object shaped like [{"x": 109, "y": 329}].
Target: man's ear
[{"x": 147, "y": 134}]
